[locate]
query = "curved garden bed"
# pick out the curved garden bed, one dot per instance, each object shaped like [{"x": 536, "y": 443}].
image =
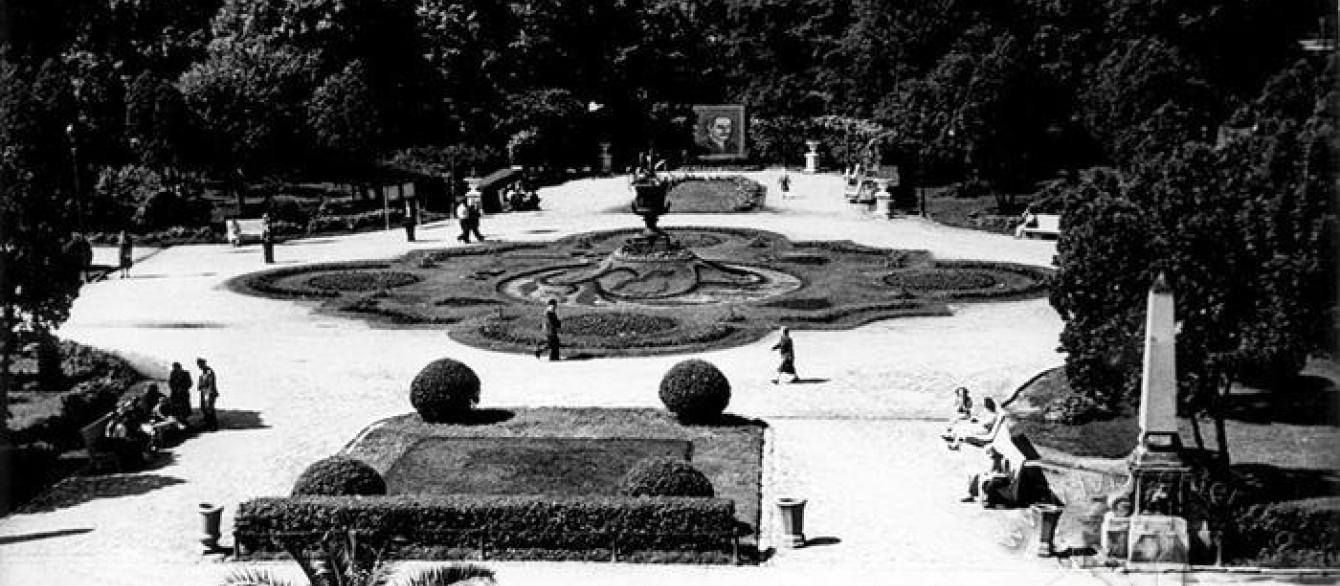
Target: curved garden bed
[{"x": 734, "y": 288}]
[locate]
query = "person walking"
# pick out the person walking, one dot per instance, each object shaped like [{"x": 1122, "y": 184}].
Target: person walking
[
  {"x": 126, "y": 246},
  {"x": 787, "y": 367},
  {"x": 552, "y": 326},
  {"x": 208, "y": 385},
  {"x": 179, "y": 392},
  {"x": 463, "y": 217},
  {"x": 784, "y": 182},
  {"x": 475, "y": 216}
]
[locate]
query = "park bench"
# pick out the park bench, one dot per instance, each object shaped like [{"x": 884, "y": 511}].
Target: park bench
[
  {"x": 98, "y": 453},
  {"x": 242, "y": 230},
  {"x": 1026, "y": 484},
  {"x": 1039, "y": 224}
]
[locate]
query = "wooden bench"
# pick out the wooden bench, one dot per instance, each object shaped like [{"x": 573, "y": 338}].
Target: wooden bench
[
  {"x": 1039, "y": 224},
  {"x": 1026, "y": 483},
  {"x": 98, "y": 454},
  {"x": 242, "y": 230}
]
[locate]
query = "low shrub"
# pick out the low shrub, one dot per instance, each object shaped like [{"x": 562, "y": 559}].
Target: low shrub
[
  {"x": 695, "y": 390},
  {"x": 445, "y": 390},
  {"x": 498, "y": 522},
  {"x": 1292, "y": 534},
  {"x": 665, "y": 477},
  {"x": 339, "y": 476}
]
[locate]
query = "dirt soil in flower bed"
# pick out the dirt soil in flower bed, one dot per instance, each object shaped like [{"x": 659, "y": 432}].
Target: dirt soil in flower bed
[
  {"x": 735, "y": 287},
  {"x": 507, "y": 445}
]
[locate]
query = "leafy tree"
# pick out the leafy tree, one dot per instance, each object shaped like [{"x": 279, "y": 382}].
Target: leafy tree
[
  {"x": 249, "y": 97},
  {"x": 1246, "y": 234},
  {"x": 345, "y": 121},
  {"x": 39, "y": 275},
  {"x": 156, "y": 122}
]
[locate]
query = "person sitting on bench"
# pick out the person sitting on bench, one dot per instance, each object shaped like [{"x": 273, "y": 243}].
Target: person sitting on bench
[
  {"x": 125, "y": 438},
  {"x": 976, "y": 431},
  {"x": 986, "y": 485}
]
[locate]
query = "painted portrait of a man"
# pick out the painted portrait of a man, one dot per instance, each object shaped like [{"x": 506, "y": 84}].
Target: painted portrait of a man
[{"x": 720, "y": 131}]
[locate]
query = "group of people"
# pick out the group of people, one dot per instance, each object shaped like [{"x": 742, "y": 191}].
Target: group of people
[
  {"x": 978, "y": 431},
  {"x": 519, "y": 200},
  {"x": 468, "y": 214},
  {"x": 139, "y": 428}
]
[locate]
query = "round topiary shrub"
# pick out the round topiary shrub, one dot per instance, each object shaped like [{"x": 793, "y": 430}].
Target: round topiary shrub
[
  {"x": 339, "y": 476},
  {"x": 694, "y": 390},
  {"x": 445, "y": 390},
  {"x": 663, "y": 476}
]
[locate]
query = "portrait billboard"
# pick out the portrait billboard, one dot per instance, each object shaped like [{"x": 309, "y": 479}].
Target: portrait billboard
[{"x": 719, "y": 132}]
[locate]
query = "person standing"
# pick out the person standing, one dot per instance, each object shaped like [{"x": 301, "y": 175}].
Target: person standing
[
  {"x": 463, "y": 217},
  {"x": 475, "y": 216},
  {"x": 411, "y": 220},
  {"x": 785, "y": 184},
  {"x": 267, "y": 239},
  {"x": 552, "y": 326},
  {"x": 126, "y": 246},
  {"x": 208, "y": 385},
  {"x": 787, "y": 367},
  {"x": 179, "y": 392}
]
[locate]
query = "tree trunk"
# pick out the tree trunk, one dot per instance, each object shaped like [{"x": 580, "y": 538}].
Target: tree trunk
[
  {"x": 1220, "y": 429},
  {"x": 1196, "y": 433},
  {"x": 240, "y": 190}
]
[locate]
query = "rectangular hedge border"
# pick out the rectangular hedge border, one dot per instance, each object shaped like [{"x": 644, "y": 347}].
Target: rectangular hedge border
[{"x": 513, "y": 526}]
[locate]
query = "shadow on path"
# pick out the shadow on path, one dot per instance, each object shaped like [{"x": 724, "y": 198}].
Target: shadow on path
[
  {"x": 240, "y": 419},
  {"x": 77, "y": 490},
  {"x": 7, "y": 539}
]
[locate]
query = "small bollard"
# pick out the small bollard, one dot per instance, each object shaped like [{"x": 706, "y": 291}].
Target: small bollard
[
  {"x": 210, "y": 517},
  {"x": 1046, "y": 516},
  {"x": 793, "y": 521}
]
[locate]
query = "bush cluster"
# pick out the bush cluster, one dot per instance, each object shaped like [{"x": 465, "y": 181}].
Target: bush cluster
[
  {"x": 445, "y": 390},
  {"x": 665, "y": 477},
  {"x": 500, "y": 521},
  {"x": 1286, "y": 534},
  {"x": 339, "y": 476},
  {"x": 695, "y": 390}
]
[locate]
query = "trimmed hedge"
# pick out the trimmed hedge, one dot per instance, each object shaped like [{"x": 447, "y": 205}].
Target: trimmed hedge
[
  {"x": 445, "y": 390},
  {"x": 666, "y": 477},
  {"x": 339, "y": 476},
  {"x": 695, "y": 390},
  {"x": 498, "y": 522}
]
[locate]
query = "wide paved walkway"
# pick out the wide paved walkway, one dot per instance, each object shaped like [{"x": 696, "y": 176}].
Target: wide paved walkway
[{"x": 860, "y": 444}]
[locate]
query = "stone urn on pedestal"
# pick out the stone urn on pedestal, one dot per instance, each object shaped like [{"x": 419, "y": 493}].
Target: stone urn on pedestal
[
  {"x": 474, "y": 197},
  {"x": 812, "y": 157},
  {"x": 792, "y": 514},
  {"x": 883, "y": 199}
]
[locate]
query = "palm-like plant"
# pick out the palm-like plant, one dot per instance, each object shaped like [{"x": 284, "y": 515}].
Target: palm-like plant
[{"x": 345, "y": 561}]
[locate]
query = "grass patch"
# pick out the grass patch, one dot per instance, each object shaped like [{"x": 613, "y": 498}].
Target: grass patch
[
  {"x": 524, "y": 465},
  {"x": 729, "y": 454}
]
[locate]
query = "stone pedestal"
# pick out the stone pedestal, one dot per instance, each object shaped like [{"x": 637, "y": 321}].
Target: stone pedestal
[
  {"x": 812, "y": 157},
  {"x": 883, "y": 200},
  {"x": 1047, "y": 517},
  {"x": 1157, "y": 539},
  {"x": 1114, "y": 535},
  {"x": 474, "y": 197}
]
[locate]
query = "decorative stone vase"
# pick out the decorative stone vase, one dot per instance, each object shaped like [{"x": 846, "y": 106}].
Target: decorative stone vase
[
  {"x": 1046, "y": 516},
  {"x": 211, "y": 516},
  {"x": 792, "y": 513},
  {"x": 812, "y": 157}
]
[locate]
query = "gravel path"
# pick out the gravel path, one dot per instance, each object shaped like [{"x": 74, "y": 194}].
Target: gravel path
[{"x": 858, "y": 440}]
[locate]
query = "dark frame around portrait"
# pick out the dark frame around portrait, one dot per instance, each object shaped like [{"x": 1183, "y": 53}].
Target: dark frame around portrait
[{"x": 719, "y": 132}]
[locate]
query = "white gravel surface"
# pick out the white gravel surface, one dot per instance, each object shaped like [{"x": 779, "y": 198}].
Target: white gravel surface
[{"x": 859, "y": 443}]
